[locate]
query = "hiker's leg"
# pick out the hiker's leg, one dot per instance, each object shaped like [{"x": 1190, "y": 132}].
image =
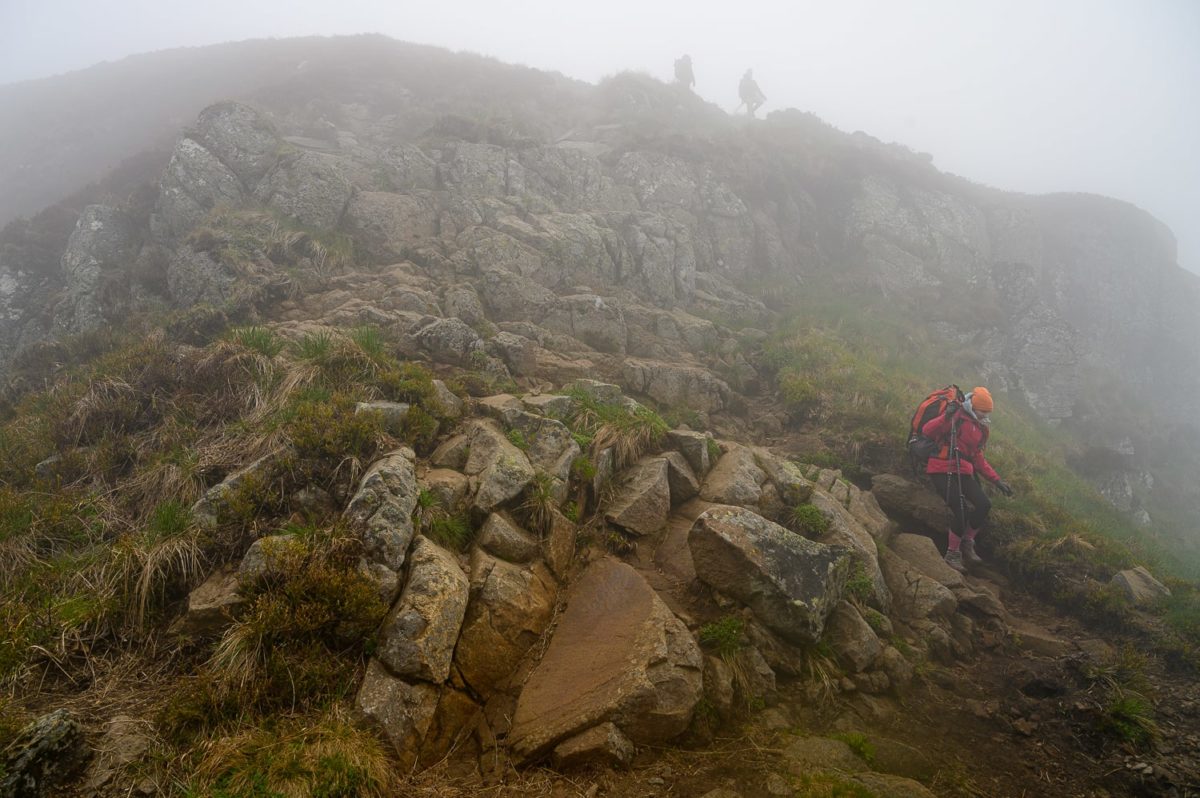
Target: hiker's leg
[
  {"x": 981, "y": 505},
  {"x": 947, "y": 487}
]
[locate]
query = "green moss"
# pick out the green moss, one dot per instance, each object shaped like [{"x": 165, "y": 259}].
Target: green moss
[{"x": 714, "y": 450}]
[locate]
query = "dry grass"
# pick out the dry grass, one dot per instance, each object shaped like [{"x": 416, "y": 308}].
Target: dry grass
[{"x": 296, "y": 758}]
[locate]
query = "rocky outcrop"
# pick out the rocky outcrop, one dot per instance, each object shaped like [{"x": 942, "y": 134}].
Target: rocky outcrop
[
  {"x": 618, "y": 655},
  {"x": 792, "y": 584},
  {"x": 94, "y": 265}
]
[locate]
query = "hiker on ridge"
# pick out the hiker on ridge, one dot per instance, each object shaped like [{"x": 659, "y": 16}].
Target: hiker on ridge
[
  {"x": 962, "y": 431},
  {"x": 683, "y": 72},
  {"x": 751, "y": 95}
]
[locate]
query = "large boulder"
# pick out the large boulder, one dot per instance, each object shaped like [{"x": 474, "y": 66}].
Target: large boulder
[
  {"x": 643, "y": 501},
  {"x": 736, "y": 479},
  {"x": 915, "y": 596},
  {"x": 1140, "y": 586},
  {"x": 791, "y": 583},
  {"x": 695, "y": 447},
  {"x": 552, "y": 448},
  {"x": 911, "y": 502},
  {"x": 308, "y": 187},
  {"x": 789, "y": 481},
  {"x": 502, "y": 470},
  {"x": 383, "y": 506},
  {"x": 448, "y": 340},
  {"x": 618, "y": 655},
  {"x": 920, "y": 552},
  {"x": 681, "y": 478},
  {"x": 416, "y": 639},
  {"x": 404, "y": 712},
  {"x": 509, "y": 609},
  {"x": 845, "y": 530},
  {"x": 852, "y": 638}
]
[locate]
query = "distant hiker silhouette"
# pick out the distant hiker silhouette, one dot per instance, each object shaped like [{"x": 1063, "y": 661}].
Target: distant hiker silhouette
[
  {"x": 683, "y": 71},
  {"x": 751, "y": 94},
  {"x": 961, "y": 431}
]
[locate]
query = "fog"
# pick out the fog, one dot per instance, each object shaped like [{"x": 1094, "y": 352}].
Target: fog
[{"x": 1076, "y": 95}]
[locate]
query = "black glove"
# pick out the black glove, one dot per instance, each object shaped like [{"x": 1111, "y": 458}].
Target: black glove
[
  {"x": 951, "y": 409},
  {"x": 1005, "y": 488}
]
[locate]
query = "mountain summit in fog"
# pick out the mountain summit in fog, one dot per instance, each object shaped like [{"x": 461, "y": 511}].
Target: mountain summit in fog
[{"x": 411, "y": 420}]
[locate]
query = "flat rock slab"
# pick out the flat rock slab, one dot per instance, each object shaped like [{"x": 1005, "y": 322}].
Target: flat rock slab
[
  {"x": 618, "y": 655},
  {"x": 791, "y": 583},
  {"x": 893, "y": 786}
]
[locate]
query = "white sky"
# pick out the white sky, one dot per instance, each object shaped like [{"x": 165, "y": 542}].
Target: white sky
[{"x": 1026, "y": 95}]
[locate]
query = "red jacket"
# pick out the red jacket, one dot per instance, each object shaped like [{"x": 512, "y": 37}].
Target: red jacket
[{"x": 972, "y": 438}]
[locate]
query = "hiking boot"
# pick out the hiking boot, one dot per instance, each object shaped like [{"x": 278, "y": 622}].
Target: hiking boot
[
  {"x": 968, "y": 553},
  {"x": 955, "y": 560}
]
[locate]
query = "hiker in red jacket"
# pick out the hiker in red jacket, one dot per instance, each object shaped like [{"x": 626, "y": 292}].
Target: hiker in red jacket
[{"x": 962, "y": 431}]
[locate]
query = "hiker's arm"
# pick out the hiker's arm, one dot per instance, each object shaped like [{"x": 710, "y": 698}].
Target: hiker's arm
[
  {"x": 937, "y": 427},
  {"x": 985, "y": 468}
]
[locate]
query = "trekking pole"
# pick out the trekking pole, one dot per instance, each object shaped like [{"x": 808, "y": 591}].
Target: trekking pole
[{"x": 962, "y": 502}]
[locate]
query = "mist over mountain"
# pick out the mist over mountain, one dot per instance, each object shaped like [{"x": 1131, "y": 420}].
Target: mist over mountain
[{"x": 516, "y": 420}]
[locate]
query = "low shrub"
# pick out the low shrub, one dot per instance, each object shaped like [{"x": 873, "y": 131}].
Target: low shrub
[
  {"x": 808, "y": 520},
  {"x": 724, "y": 636}
]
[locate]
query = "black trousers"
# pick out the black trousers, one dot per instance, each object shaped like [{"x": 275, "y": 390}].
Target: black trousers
[{"x": 971, "y": 508}]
